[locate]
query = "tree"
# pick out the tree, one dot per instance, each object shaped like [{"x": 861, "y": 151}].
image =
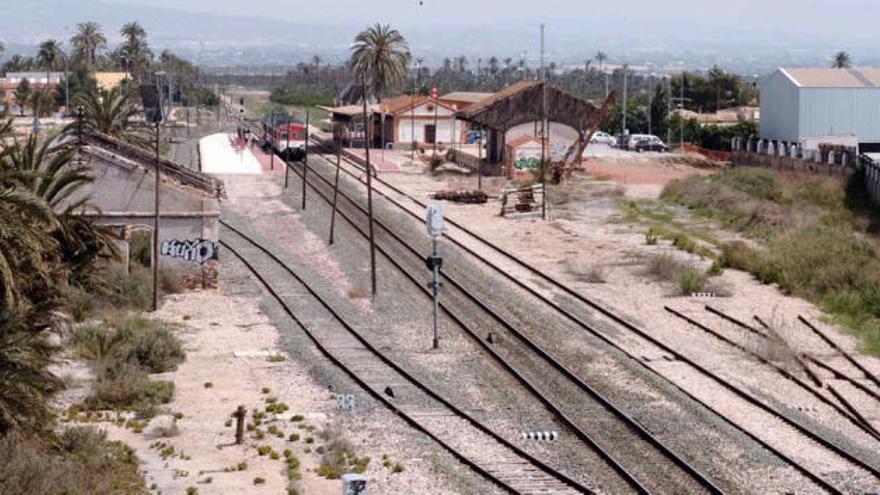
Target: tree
[
  {"x": 49, "y": 56},
  {"x": 79, "y": 80},
  {"x": 134, "y": 53},
  {"x": 601, "y": 57},
  {"x": 841, "y": 60},
  {"x": 23, "y": 94},
  {"x": 112, "y": 113},
  {"x": 381, "y": 55},
  {"x": 41, "y": 102},
  {"x": 87, "y": 41},
  {"x": 2, "y": 48},
  {"x": 17, "y": 63}
]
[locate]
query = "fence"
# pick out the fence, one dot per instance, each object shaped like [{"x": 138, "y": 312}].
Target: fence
[
  {"x": 872, "y": 181},
  {"x": 833, "y": 160},
  {"x": 827, "y": 160}
]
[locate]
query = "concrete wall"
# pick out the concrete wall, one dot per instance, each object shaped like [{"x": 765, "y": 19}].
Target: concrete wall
[
  {"x": 561, "y": 136},
  {"x": 123, "y": 192},
  {"x": 780, "y": 106},
  {"x": 445, "y": 130}
]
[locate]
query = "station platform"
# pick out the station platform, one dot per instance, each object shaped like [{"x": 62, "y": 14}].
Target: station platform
[{"x": 220, "y": 154}]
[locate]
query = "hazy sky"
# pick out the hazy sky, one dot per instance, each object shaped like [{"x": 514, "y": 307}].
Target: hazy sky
[{"x": 827, "y": 17}]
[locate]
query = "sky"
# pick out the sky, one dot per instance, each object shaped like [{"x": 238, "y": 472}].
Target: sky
[{"x": 829, "y": 18}]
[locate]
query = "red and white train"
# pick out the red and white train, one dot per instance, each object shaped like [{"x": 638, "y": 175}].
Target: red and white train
[{"x": 287, "y": 139}]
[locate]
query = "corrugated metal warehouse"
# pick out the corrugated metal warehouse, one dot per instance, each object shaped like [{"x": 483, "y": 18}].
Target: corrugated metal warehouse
[{"x": 809, "y": 106}]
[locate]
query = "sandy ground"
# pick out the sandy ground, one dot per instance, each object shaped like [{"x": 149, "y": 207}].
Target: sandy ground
[
  {"x": 229, "y": 340},
  {"x": 219, "y": 157}
]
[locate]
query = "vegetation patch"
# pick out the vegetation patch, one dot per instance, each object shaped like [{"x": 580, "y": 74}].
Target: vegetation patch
[
  {"x": 338, "y": 457},
  {"x": 815, "y": 237}
]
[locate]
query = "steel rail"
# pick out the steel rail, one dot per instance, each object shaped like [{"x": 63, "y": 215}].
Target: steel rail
[
  {"x": 641, "y": 333},
  {"x": 854, "y": 419},
  {"x": 363, "y": 384},
  {"x": 565, "y": 419},
  {"x": 631, "y": 422},
  {"x": 846, "y": 355}
]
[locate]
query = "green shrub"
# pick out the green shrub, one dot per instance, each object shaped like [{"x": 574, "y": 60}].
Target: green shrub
[
  {"x": 691, "y": 280},
  {"x": 82, "y": 461},
  {"x": 127, "y": 386},
  {"x": 715, "y": 269},
  {"x": 130, "y": 337},
  {"x": 651, "y": 237},
  {"x": 758, "y": 183}
]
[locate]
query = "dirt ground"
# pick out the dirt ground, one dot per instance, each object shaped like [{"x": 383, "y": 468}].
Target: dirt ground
[{"x": 230, "y": 342}]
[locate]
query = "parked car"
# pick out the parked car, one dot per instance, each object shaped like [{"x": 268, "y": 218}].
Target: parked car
[
  {"x": 647, "y": 142},
  {"x": 600, "y": 137}
]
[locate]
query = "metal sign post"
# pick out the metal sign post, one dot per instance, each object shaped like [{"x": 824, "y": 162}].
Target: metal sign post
[{"x": 434, "y": 222}]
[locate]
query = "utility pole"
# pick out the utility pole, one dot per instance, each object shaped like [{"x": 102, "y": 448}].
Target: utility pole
[
  {"x": 272, "y": 142},
  {"x": 624, "y": 98},
  {"x": 412, "y": 118},
  {"x": 650, "y": 103},
  {"x": 543, "y": 130},
  {"x": 156, "y": 220},
  {"x": 681, "y": 116},
  {"x": 669, "y": 110},
  {"x": 305, "y": 161},
  {"x": 287, "y": 153},
  {"x": 335, "y": 189},
  {"x": 370, "y": 184}
]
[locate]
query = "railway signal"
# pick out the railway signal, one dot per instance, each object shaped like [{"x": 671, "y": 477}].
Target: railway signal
[{"x": 434, "y": 223}]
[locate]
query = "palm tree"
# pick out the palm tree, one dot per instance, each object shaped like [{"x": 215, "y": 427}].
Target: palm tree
[
  {"x": 601, "y": 57},
  {"x": 41, "y": 102},
  {"x": 493, "y": 65},
  {"x": 316, "y": 61},
  {"x": 23, "y": 94},
  {"x": 380, "y": 55},
  {"x": 87, "y": 41},
  {"x": 134, "y": 52},
  {"x": 112, "y": 113},
  {"x": 16, "y": 63},
  {"x": 49, "y": 55},
  {"x": 2, "y": 48},
  {"x": 842, "y": 60}
]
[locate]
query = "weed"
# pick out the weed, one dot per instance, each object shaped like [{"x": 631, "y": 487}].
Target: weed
[
  {"x": 276, "y": 358},
  {"x": 294, "y": 437},
  {"x": 266, "y": 390},
  {"x": 691, "y": 280},
  {"x": 209, "y": 385},
  {"x": 241, "y": 466},
  {"x": 191, "y": 490},
  {"x": 297, "y": 417},
  {"x": 228, "y": 423},
  {"x": 259, "y": 481},
  {"x": 357, "y": 292}
]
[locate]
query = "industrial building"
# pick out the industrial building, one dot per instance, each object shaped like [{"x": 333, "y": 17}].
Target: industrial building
[{"x": 809, "y": 107}]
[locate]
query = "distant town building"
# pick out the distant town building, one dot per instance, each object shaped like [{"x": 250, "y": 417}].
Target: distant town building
[
  {"x": 808, "y": 107},
  {"x": 109, "y": 80}
]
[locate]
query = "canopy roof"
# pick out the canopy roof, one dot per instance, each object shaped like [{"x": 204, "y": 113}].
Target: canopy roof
[{"x": 520, "y": 103}]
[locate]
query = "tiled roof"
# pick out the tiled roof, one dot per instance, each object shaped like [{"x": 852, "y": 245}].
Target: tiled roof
[{"x": 466, "y": 96}]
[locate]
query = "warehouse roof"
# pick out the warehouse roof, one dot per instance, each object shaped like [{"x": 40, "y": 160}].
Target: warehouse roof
[
  {"x": 834, "y": 78},
  {"x": 466, "y": 96}
]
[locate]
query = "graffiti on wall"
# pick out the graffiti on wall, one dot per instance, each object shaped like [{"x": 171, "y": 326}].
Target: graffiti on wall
[
  {"x": 194, "y": 250},
  {"x": 527, "y": 163}
]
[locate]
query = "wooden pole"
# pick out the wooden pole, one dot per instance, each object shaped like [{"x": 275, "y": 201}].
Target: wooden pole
[
  {"x": 369, "y": 188},
  {"x": 156, "y": 224},
  {"x": 480, "y": 161},
  {"x": 305, "y": 161},
  {"x": 287, "y": 156},
  {"x": 335, "y": 191},
  {"x": 272, "y": 142},
  {"x": 240, "y": 414}
]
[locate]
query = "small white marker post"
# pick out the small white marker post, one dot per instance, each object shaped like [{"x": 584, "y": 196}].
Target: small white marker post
[{"x": 434, "y": 223}]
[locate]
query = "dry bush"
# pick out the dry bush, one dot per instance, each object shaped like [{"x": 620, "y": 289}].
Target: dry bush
[
  {"x": 357, "y": 292},
  {"x": 584, "y": 271},
  {"x": 83, "y": 461}
]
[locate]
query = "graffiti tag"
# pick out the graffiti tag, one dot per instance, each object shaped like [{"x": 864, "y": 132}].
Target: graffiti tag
[
  {"x": 195, "y": 250},
  {"x": 527, "y": 163}
]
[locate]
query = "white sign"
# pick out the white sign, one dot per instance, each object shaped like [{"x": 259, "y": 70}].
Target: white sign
[{"x": 434, "y": 219}]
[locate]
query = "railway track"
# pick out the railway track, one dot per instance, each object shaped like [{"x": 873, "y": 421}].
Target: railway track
[
  {"x": 845, "y": 409},
  {"x": 584, "y": 410},
  {"x": 742, "y": 394},
  {"x": 491, "y": 456}
]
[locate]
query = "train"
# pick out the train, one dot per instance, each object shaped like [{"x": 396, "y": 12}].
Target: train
[{"x": 285, "y": 136}]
